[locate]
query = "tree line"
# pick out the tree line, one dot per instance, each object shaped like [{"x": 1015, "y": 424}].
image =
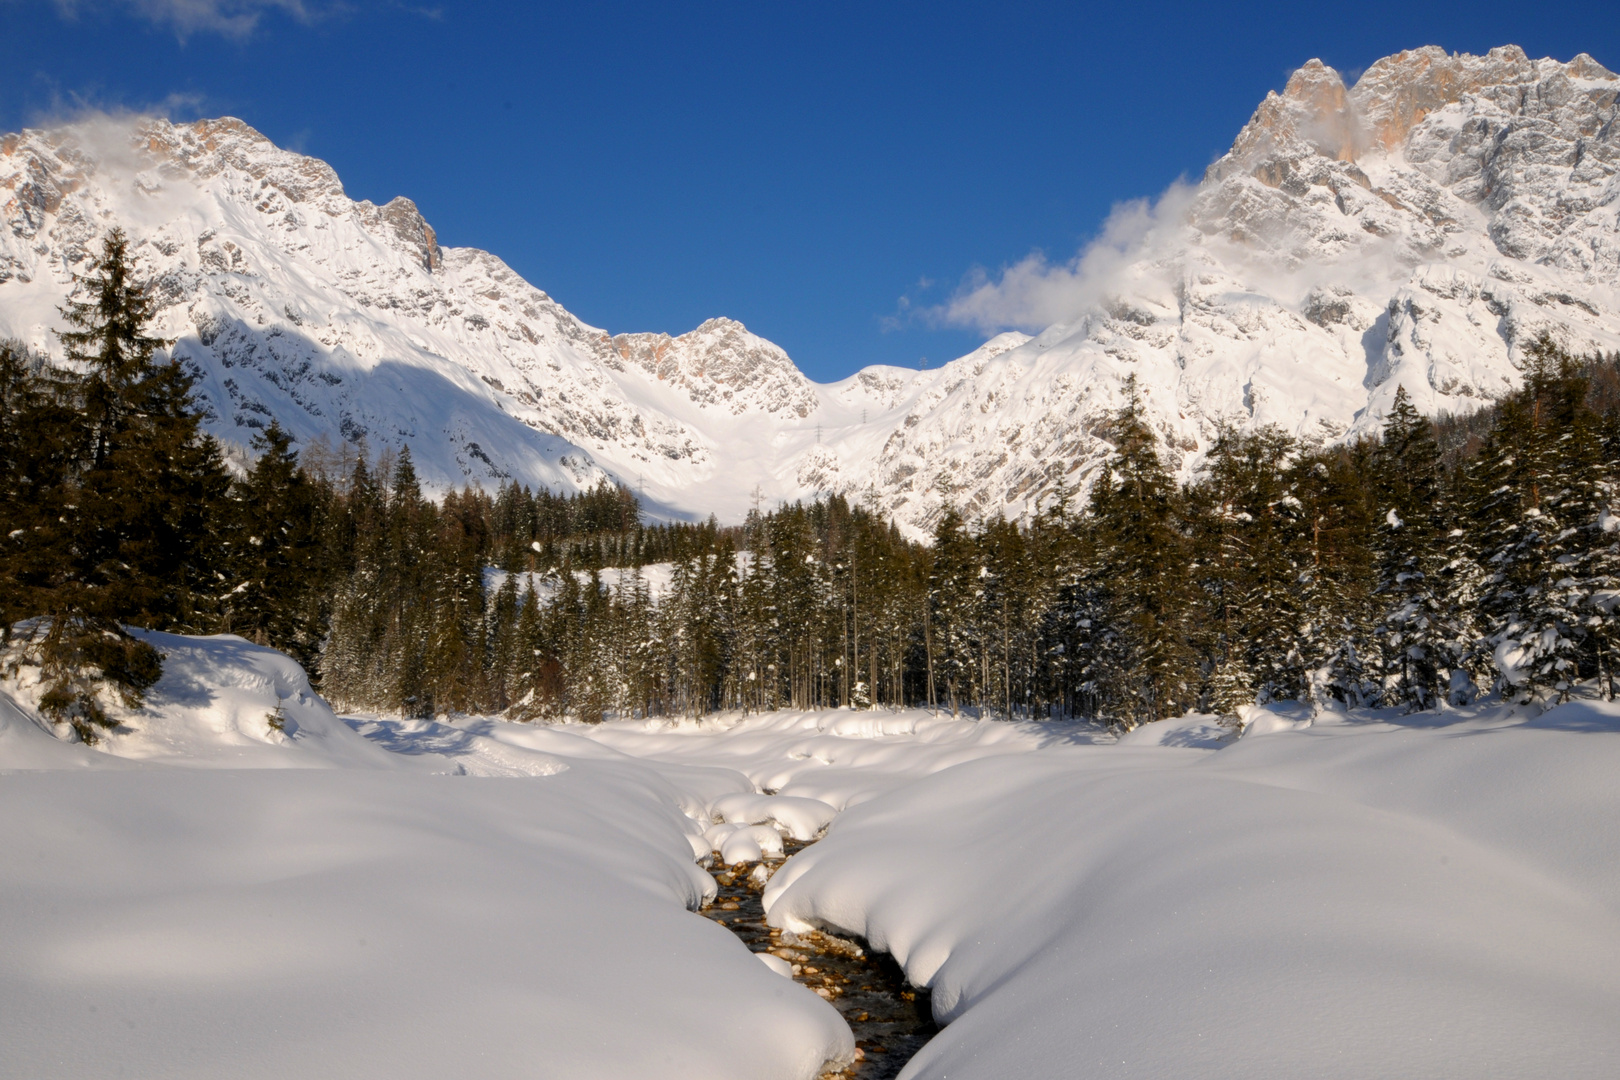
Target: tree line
[{"x": 1442, "y": 560}]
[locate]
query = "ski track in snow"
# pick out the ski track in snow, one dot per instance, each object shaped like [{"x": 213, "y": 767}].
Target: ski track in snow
[{"x": 1327, "y": 895}]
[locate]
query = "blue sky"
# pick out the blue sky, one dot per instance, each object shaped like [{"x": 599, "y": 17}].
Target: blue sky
[{"x": 829, "y": 174}]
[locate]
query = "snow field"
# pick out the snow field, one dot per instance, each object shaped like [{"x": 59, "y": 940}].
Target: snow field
[
  {"x": 1329, "y": 896},
  {"x": 1350, "y": 899},
  {"x": 382, "y": 910},
  {"x": 835, "y": 757}
]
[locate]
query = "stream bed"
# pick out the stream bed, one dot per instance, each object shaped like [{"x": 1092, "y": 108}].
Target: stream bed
[{"x": 891, "y": 1019}]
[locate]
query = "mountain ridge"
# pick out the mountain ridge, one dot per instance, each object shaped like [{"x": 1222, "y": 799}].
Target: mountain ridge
[{"x": 1417, "y": 228}]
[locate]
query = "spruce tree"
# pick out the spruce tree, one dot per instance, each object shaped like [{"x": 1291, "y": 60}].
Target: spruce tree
[
  {"x": 275, "y": 552},
  {"x": 145, "y": 492},
  {"x": 38, "y": 429},
  {"x": 1133, "y": 504},
  {"x": 1537, "y": 496},
  {"x": 1255, "y": 562},
  {"x": 951, "y": 602},
  {"x": 1337, "y": 573},
  {"x": 1417, "y": 628}
]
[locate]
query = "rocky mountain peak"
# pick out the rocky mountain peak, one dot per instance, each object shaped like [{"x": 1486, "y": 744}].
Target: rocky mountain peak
[
  {"x": 210, "y": 148},
  {"x": 1415, "y": 230},
  {"x": 720, "y": 363},
  {"x": 1397, "y": 93},
  {"x": 403, "y": 222},
  {"x": 1316, "y": 114},
  {"x": 1313, "y": 109}
]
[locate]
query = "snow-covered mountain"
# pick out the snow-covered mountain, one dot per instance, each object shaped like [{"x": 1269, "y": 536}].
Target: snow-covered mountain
[{"x": 1419, "y": 229}]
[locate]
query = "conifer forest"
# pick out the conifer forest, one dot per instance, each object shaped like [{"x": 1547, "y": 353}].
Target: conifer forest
[{"x": 1451, "y": 557}]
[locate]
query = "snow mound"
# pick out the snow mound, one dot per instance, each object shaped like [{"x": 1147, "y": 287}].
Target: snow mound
[
  {"x": 1578, "y": 716},
  {"x": 839, "y": 758},
  {"x": 1356, "y": 899},
  {"x": 744, "y": 843},
  {"x": 776, "y": 964},
  {"x": 1275, "y": 716},
  {"x": 798, "y": 817},
  {"x": 1198, "y": 730},
  {"x": 222, "y": 702}
]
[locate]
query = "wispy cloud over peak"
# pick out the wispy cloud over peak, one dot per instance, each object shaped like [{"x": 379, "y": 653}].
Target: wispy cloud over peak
[{"x": 1035, "y": 293}]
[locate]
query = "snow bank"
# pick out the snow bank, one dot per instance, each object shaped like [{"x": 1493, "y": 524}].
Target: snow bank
[
  {"x": 26, "y": 741},
  {"x": 799, "y": 818},
  {"x": 1194, "y": 729},
  {"x": 836, "y": 757},
  {"x": 1343, "y": 900},
  {"x": 434, "y": 900},
  {"x": 486, "y": 746},
  {"x": 260, "y": 923},
  {"x": 213, "y": 707}
]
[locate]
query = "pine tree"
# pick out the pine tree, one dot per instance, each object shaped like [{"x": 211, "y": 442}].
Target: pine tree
[
  {"x": 351, "y": 660},
  {"x": 1537, "y": 495},
  {"x": 1337, "y": 574},
  {"x": 503, "y": 650},
  {"x": 951, "y": 593},
  {"x": 1133, "y": 505},
  {"x": 1256, "y": 561},
  {"x": 145, "y": 492},
  {"x": 1417, "y": 628},
  {"x": 275, "y": 570},
  {"x": 1230, "y": 685},
  {"x": 37, "y": 458}
]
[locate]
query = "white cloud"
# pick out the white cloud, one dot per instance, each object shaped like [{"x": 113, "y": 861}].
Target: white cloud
[
  {"x": 83, "y": 112},
  {"x": 1033, "y": 293},
  {"x": 231, "y": 18}
]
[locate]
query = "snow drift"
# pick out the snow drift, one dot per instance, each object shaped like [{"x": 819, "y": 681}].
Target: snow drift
[
  {"x": 1351, "y": 899},
  {"x": 1361, "y": 895},
  {"x": 201, "y": 895}
]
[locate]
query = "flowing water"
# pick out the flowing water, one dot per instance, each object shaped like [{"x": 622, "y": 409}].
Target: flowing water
[{"x": 891, "y": 1019}]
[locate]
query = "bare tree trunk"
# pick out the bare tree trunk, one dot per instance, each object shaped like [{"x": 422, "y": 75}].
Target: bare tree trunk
[{"x": 928, "y": 650}]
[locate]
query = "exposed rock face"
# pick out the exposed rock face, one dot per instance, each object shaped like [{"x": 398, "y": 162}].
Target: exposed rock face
[
  {"x": 1419, "y": 228},
  {"x": 1416, "y": 229},
  {"x": 293, "y": 301},
  {"x": 721, "y": 363}
]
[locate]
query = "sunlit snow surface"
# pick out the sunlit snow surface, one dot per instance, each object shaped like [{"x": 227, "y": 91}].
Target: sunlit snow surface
[{"x": 1326, "y": 896}]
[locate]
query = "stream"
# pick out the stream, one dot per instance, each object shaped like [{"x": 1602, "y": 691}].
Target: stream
[{"x": 891, "y": 1019}]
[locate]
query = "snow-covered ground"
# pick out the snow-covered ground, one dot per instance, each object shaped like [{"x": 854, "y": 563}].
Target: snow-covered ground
[
  {"x": 1327, "y": 895},
  {"x": 368, "y": 914},
  {"x": 1351, "y": 899}
]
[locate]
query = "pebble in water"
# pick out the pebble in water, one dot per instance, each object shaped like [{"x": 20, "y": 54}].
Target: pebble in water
[{"x": 890, "y": 1019}]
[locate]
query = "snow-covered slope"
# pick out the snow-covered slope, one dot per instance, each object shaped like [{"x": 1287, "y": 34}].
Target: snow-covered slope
[
  {"x": 1419, "y": 228},
  {"x": 212, "y": 708}
]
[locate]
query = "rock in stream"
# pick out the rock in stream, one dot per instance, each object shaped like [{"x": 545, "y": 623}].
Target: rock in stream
[{"x": 890, "y": 1018}]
